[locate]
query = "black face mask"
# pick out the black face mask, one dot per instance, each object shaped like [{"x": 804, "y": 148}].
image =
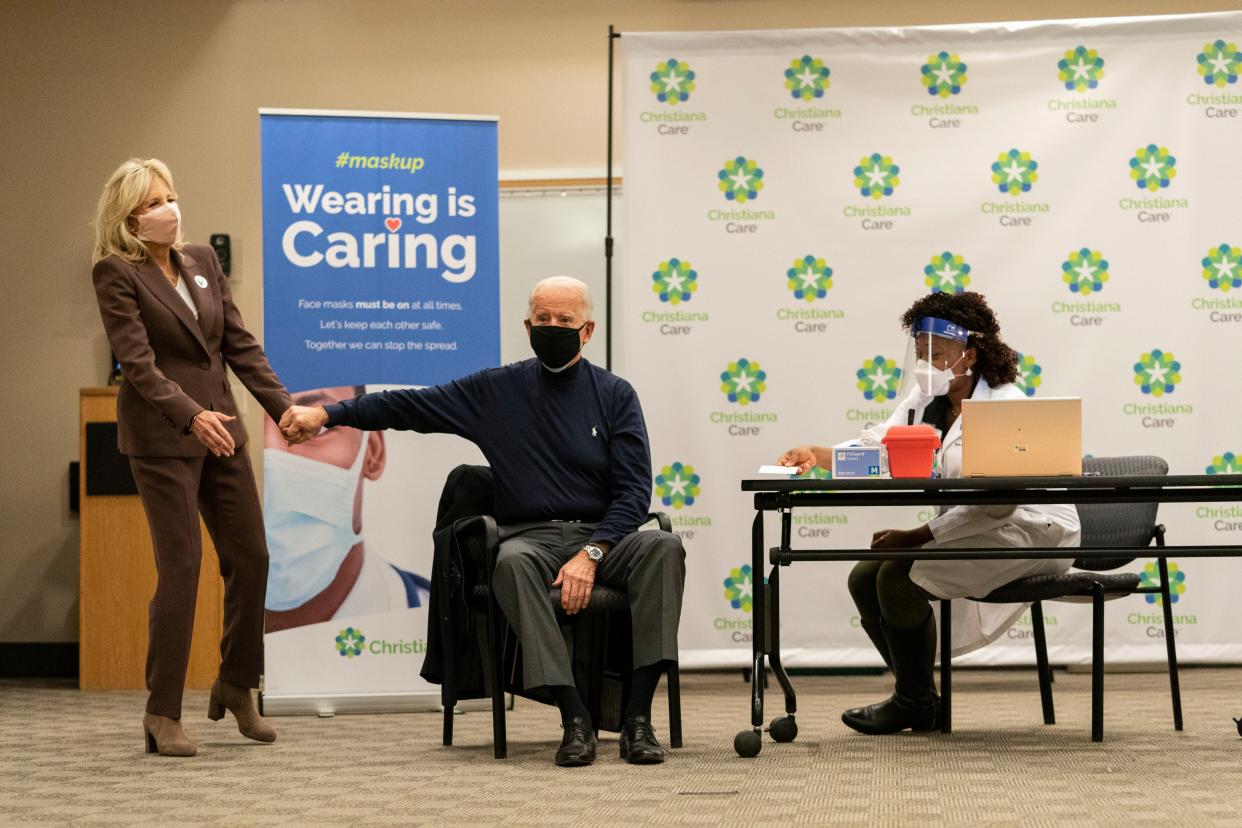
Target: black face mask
[{"x": 555, "y": 346}]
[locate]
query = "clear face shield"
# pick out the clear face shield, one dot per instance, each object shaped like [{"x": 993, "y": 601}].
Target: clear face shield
[{"x": 935, "y": 357}]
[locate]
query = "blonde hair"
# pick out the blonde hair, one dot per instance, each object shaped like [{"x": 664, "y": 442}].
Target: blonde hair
[{"x": 125, "y": 191}]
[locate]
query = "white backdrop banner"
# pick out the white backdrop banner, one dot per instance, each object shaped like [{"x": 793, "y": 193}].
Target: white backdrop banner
[{"x": 789, "y": 193}]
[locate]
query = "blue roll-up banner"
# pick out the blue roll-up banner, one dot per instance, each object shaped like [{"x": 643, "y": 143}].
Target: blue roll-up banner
[{"x": 380, "y": 260}]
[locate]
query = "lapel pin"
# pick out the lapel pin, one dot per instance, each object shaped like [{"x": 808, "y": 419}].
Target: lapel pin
[{"x": 200, "y": 280}]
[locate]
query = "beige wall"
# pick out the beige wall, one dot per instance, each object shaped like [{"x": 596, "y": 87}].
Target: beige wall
[{"x": 88, "y": 84}]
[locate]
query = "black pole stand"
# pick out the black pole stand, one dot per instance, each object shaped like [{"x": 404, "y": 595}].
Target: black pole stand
[{"x": 612, "y": 36}]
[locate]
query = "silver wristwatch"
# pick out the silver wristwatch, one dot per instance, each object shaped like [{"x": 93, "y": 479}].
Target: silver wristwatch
[{"x": 594, "y": 552}]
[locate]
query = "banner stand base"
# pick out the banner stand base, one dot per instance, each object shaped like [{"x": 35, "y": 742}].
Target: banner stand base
[{"x": 330, "y": 704}]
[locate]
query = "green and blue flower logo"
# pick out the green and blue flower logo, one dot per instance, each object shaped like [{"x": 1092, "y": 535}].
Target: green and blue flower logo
[
  {"x": 809, "y": 278},
  {"x": 349, "y": 642},
  {"x": 739, "y": 586},
  {"x": 1222, "y": 267},
  {"x": 944, "y": 74},
  {"x": 1085, "y": 271},
  {"x": 677, "y": 485},
  {"x": 1014, "y": 172},
  {"x": 1219, "y": 63},
  {"x": 741, "y": 179},
  {"x": 1150, "y": 577},
  {"x": 876, "y": 176},
  {"x": 1080, "y": 69},
  {"x": 1157, "y": 373},
  {"x": 672, "y": 81},
  {"x": 1152, "y": 168},
  {"x": 1029, "y": 375},
  {"x": 947, "y": 273},
  {"x": 806, "y": 78},
  {"x": 743, "y": 381},
  {"x": 878, "y": 379},
  {"x": 675, "y": 281},
  {"x": 1227, "y": 463}
]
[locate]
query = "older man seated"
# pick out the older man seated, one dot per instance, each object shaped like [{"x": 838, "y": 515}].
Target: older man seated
[{"x": 567, "y": 444}]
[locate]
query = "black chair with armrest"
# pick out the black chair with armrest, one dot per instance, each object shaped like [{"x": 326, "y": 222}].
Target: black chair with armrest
[
  {"x": 599, "y": 639},
  {"x": 1104, "y": 525}
]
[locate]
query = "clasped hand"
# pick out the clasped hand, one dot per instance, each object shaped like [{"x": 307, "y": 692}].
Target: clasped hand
[{"x": 300, "y": 423}]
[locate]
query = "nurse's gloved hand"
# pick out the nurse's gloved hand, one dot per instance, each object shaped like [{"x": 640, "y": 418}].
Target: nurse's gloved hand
[{"x": 901, "y": 538}]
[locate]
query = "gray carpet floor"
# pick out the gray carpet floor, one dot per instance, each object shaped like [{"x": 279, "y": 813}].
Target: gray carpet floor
[{"x": 68, "y": 757}]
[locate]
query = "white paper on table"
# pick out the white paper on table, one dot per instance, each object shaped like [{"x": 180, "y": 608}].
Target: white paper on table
[{"x": 785, "y": 470}]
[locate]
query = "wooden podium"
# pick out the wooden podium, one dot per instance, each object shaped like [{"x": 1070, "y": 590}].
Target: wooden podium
[{"x": 118, "y": 568}]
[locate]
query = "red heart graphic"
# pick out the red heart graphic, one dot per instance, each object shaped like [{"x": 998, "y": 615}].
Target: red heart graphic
[{"x": 393, "y": 224}]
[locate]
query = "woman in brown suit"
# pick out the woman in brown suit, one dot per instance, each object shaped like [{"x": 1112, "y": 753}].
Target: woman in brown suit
[{"x": 171, "y": 320}]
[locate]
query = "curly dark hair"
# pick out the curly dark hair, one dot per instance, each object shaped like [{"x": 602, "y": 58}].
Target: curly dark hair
[{"x": 995, "y": 361}]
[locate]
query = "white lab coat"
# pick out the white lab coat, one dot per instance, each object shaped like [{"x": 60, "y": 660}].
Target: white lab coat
[{"x": 976, "y": 624}]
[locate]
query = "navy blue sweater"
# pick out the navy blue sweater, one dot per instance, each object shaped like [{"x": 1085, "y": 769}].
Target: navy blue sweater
[{"x": 567, "y": 446}]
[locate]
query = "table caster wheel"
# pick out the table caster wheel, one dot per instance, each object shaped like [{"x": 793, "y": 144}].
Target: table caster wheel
[
  {"x": 783, "y": 729},
  {"x": 748, "y": 743}
]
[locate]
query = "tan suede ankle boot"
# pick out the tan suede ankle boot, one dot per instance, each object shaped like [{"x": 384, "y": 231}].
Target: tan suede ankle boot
[
  {"x": 241, "y": 704},
  {"x": 166, "y": 737}
]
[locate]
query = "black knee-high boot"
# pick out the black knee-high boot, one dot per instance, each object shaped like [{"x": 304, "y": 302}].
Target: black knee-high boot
[
  {"x": 876, "y": 633},
  {"x": 913, "y": 705}
]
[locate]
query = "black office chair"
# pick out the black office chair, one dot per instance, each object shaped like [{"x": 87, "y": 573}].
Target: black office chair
[
  {"x": 1103, "y": 525},
  {"x": 599, "y": 637}
]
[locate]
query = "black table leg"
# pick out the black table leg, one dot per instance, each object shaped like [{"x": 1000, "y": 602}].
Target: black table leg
[{"x": 748, "y": 743}]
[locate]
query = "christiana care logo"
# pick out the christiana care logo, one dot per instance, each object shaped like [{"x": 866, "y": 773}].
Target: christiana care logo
[
  {"x": 1029, "y": 375},
  {"x": 1222, "y": 267},
  {"x": 1014, "y": 172},
  {"x": 1152, "y": 168},
  {"x": 672, "y": 82},
  {"x": 1157, "y": 373},
  {"x": 809, "y": 278},
  {"x": 1227, "y": 463},
  {"x": 743, "y": 381},
  {"x": 806, "y": 78},
  {"x": 876, "y": 176},
  {"x": 1080, "y": 69},
  {"x": 878, "y": 379},
  {"x": 944, "y": 74},
  {"x": 1085, "y": 271},
  {"x": 349, "y": 642},
  {"x": 741, "y": 179},
  {"x": 1219, "y": 63},
  {"x": 1150, "y": 577},
  {"x": 947, "y": 273},
  {"x": 675, "y": 281},
  {"x": 739, "y": 586},
  {"x": 677, "y": 485}
]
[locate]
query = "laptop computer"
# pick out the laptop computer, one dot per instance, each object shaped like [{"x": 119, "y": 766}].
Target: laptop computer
[{"x": 1022, "y": 438}]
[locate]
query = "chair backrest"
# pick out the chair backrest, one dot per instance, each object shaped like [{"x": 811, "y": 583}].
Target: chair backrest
[{"x": 1118, "y": 524}]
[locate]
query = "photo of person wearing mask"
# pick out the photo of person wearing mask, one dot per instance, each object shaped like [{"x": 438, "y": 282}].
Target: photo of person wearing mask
[
  {"x": 956, "y": 353},
  {"x": 312, "y": 494}
]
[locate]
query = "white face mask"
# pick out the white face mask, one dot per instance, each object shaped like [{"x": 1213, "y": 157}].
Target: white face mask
[
  {"x": 308, "y": 511},
  {"x": 935, "y": 381}
]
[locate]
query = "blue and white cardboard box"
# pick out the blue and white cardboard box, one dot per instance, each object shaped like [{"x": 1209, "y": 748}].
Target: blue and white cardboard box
[{"x": 857, "y": 461}]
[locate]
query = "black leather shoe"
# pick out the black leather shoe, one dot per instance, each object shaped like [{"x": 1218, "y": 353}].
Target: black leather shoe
[
  {"x": 577, "y": 745},
  {"x": 638, "y": 742},
  {"x": 891, "y": 716}
]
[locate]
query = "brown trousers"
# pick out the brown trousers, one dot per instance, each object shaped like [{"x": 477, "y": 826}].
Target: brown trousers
[{"x": 174, "y": 491}]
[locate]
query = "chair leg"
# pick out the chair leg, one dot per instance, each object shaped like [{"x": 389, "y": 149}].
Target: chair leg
[
  {"x": 496, "y": 635},
  {"x": 448, "y": 725},
  {"x": 946, "y": 666},
  {"x": 1170, "y": 644},
  {"x": 1041, "y": 663},
  {"x": 673, "y": 681},
  {"x": 1097, "y": 662}
]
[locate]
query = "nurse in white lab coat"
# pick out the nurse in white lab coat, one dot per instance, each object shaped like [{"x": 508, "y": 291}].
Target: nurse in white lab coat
[{"x": 961, "y": 355}]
